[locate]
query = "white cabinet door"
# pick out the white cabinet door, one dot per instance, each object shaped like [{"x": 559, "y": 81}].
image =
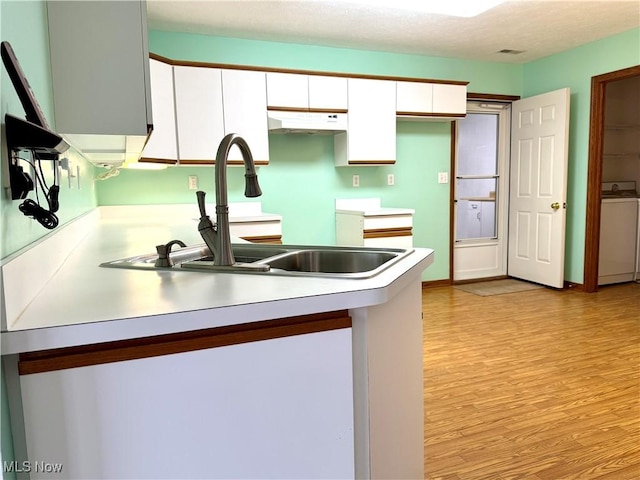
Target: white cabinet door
[
  {"x": 162, "y": 142},
  {"x": 431, "y": 99},
  {"x": 327, "y": 93},
  {"x": 371, "y": 136},
  {"x": 306, "y": 92},
  {"x": 287, "y": 90},
  {"x": 414, "y": 97},
  {"x": 244, "y": 96},
  {"x": 199, "y": 114},
  {"x": 449, "y": 99},
  {"x": 100, "y": 76},
  {"x": 280, "y": 408}
]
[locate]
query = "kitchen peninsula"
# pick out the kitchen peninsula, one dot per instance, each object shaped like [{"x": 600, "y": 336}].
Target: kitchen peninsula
[{"x": 119, "y": 373}]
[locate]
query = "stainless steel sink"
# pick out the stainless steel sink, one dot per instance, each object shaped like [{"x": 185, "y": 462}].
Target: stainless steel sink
[
  {"x": 285, "y": 260},
  {"x": 332, "y": 261}
]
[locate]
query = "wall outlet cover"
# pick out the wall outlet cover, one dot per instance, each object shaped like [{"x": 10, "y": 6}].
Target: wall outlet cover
[
  {"x": 356, "y": 180},
  {"x": 391, "y": 179}
]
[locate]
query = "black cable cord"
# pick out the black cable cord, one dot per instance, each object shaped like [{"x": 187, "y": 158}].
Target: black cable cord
[
  {"x": 46, "y": 218},
  {"x": 32, "y": 209}
]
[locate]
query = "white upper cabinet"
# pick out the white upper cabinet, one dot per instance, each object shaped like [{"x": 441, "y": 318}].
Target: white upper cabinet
[
  {"x": 371, "y": 135},
  {"x": 162, "y": 141},
  {"x": 244, "y": 97},
  {"x": 449, "y": 99},
  {"x": 287, "y": 90},
  {"x": 414, "y": 97},
  {"x": 199, "y": 112},
  {"x": 100, "y": 77},
  {"x": 300, "y": 92},
  {"x": 328, "y": 93},
  {"x": 436, "y": 100}
]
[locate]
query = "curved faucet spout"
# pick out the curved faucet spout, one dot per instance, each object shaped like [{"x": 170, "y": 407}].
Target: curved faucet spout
[
  {"x": 218, "y": 239},
  {"x": 252, "y": 189}
]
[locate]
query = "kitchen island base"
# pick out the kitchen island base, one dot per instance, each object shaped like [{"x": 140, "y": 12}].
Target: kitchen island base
[{"x": 326, "y": 401}]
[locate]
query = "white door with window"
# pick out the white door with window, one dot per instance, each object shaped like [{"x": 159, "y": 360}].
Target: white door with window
[
  {"x": 538, "y": 190},
  {"x": 481, "y": 192}
]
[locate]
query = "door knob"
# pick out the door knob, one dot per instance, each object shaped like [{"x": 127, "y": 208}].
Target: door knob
[{"x": 555, "y": 205}]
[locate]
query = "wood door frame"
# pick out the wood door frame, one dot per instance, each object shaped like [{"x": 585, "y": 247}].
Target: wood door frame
[
  {"x": 594, "y": 175},
  {"x": 471, "y": 96}
]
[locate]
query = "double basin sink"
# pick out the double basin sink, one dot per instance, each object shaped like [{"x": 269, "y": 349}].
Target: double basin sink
[{"x": 287, "y": 260}]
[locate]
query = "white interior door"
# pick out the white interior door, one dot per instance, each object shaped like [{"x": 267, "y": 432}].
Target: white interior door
[{"x": 538, "y": 190}]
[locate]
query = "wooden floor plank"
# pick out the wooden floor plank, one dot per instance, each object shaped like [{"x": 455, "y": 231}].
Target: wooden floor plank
[{"x": 539, "y": 385}]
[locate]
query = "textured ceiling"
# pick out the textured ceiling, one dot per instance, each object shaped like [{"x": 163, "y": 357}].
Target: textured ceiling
[{"x": 537, "y": 27}]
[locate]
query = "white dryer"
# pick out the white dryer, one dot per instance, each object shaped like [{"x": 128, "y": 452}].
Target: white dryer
[{"x": 618, "y": 259}]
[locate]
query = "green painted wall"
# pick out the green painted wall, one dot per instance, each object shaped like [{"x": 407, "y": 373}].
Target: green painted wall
[
  {"x": 24, "y": 25},
  {"x": 486, "y": 77},
  {"x": 301, "y": 182},
  {"x": 574, "y": 69}
]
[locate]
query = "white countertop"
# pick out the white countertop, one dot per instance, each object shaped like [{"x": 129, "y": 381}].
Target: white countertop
[
  {"x": 378, "y": 212},
  {"x": 368, "y": 207},
  {"x": 83, "y": 303}
]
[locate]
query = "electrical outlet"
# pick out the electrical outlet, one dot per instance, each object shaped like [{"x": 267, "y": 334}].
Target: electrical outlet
[
  {"x": 391, "y": 179},
  {"x": 356, "y": 180},
  {"x": 443, "y": 177},
  {"x": 193, "y": 182}
]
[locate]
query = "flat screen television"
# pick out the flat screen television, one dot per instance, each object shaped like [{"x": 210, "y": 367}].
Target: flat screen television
[{"x": 31, "y": 107}]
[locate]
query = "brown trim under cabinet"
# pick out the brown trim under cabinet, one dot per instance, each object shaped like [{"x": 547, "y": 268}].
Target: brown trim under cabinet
[
  {"x": 306, "y": 110},
  {"x": 276, "y": 239},
  {"x": 234, "y": 163},
  {"x": 166, "y": 161},
  {"x": 492, "y": 97},
  {"x": 387, "y": 232},
  {"x": 371, "y": 162},
  {"x": 133, "y": 349},
  {"x": 418, "y": 115},
  {"x": 187, "y": 63}
]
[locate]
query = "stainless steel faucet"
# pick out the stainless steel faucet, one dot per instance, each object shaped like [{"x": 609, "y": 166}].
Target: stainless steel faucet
[{"x": 217, "y": 237}]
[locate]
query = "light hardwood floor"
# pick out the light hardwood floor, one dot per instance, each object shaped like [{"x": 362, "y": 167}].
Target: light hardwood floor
[{"x": 536, "y": 385}]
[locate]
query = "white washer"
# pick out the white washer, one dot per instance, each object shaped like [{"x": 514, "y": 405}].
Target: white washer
[{"x": 618, "y": 240}]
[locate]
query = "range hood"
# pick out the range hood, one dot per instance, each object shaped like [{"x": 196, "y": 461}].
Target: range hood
[{"x": 306, "y": 122}]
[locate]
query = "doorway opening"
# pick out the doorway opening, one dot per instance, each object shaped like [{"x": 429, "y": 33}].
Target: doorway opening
[
  {"x": 481, "y": 172},
  {"x": 595, "y": 172},
  {"x": 535, "y": 175}
]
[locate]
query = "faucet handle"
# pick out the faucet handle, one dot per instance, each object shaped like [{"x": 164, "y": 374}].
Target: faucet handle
[
  {"x": 201, "y": 205},
  {"x": 164, "y": 251}
]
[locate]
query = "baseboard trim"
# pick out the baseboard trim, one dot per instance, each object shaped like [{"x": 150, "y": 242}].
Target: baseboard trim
[
  {"x": 483, "y": 279},
  {"x": 445, "y": 282},
  {"x": 578, "y": 287}
]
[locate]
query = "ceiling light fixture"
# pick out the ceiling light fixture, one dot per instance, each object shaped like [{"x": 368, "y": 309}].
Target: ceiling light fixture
[{"x": 456, "y": 8}]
